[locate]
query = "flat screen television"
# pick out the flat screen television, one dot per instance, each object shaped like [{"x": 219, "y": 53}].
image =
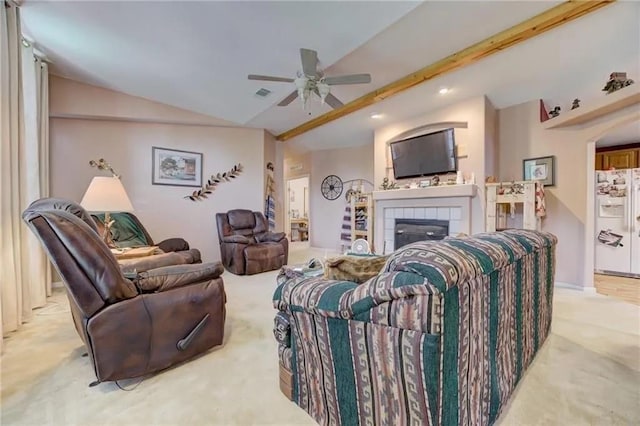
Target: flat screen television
[{"x": 425, "y": 155}]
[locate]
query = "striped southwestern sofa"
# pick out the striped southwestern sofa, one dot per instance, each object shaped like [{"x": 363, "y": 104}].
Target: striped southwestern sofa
[{"x": 440, "y": 337}]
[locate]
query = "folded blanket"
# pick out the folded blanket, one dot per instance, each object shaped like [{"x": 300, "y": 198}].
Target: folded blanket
[{"x": 357, "y": 269}]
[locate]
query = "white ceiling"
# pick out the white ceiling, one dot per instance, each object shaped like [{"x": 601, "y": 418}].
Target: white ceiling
[
  {"x": 196, "y": 55},
  {"x": 622, "y": 135}
]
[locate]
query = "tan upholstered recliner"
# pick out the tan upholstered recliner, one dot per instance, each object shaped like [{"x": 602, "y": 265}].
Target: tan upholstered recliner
[
  {"x": 130, "y": 326},
  {"x": 247, "y": 246}
]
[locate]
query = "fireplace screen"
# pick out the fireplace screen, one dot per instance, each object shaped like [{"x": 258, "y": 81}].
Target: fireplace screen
[{"x": 409, "y": 231}]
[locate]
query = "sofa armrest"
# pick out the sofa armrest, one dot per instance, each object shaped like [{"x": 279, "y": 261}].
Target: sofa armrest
[
  {"x": 168, "y": 277},
  {"x": 238, "y": 239},
  {"x": 345, "y": 299},
  {"x": 141, "y": 264},
  {"x": 271, "y": 237}
]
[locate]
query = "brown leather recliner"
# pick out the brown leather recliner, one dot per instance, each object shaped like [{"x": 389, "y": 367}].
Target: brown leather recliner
[
  {"x": 130, "y": 327},
  {"x": 246, "y": 244}
]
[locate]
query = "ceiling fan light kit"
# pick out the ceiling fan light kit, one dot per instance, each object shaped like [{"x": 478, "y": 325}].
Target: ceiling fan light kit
[{"x": 312, "y": 80}]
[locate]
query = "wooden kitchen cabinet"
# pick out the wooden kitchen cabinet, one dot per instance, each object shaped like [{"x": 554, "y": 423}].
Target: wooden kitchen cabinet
[
  {"x": 599, "y": 159},
  {"x": 618, "y": 159}
]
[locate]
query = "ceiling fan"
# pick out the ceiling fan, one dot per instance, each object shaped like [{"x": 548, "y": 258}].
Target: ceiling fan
[{"x": 312, "y": 80}]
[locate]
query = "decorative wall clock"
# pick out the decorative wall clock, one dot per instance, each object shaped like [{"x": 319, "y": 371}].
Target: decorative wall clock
[{"x": 331, "y": 187}]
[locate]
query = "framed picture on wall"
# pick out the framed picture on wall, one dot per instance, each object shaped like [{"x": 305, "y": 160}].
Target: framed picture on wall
[
  {"x": 541, "y": 168},
  {"x": 176, "y": 168}
]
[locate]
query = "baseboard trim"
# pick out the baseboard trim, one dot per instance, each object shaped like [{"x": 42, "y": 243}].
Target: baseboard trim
[{"x": 561, "y": 284}]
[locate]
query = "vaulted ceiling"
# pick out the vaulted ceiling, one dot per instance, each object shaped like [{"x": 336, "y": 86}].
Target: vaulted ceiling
[{"x": 196, "y": 55}]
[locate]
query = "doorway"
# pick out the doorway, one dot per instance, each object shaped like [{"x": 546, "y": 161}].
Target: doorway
[
  {"x": 297, "y": 208},
  {"x": 616, "y": 213}
]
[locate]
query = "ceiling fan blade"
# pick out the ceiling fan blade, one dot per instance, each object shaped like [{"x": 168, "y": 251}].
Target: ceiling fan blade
[
  {"x": 290, "y": 98},
  {"x": 333, "y": 101},
  {"x": 269, "y": 78},
  {"x": 348, "y": 79},
  {"x": 309, "y": 62}
]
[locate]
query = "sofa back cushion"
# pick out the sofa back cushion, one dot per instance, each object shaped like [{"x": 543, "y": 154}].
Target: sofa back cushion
[
  {"x": 241, "y": 222},
  {"x": 451, "y": 261},
  {"x": 241, "y": 219}
]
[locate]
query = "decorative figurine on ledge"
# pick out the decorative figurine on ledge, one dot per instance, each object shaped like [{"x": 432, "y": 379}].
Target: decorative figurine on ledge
[
  {"x": 617, "y": 80},
  {"x": 575, "y": 104},
  {"x": 387, "y": 184},
  {"x": 555, "y": 112}
]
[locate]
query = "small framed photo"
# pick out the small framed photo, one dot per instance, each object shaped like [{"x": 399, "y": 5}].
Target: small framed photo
[
  {"x": 176, "y": 168},
  {"x": 541, "y": 168}
]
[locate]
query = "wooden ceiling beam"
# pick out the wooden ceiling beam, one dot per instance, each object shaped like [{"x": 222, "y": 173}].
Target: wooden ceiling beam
[{"x": 545, "y": 21}]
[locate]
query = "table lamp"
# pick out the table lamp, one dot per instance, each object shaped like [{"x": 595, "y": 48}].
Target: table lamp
[{"x": 106, "y": 194}]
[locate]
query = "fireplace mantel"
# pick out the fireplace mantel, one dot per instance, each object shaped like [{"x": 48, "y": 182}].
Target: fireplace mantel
[{"x": 441, "y": 191}]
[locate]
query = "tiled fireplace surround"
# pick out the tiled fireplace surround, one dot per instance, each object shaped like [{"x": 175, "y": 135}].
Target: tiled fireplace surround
[{"x": 451, "y": 203}]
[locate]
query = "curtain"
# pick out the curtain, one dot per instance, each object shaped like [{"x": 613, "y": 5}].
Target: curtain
[
  {"x": 24, "y": 175},
  {"x": 34, "y": 167}
]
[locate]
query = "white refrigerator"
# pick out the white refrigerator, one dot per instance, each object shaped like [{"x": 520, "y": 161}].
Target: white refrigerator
[{"x": 618, "y": 222}]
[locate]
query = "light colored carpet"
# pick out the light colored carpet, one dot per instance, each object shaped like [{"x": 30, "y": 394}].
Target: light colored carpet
[{"x": 588, "y": 371}]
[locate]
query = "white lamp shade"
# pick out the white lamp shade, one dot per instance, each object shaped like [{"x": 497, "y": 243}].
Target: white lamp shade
[{"x": 106, "y": 194}]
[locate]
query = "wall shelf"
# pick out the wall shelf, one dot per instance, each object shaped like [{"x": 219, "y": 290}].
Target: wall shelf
[
  {"x": 611, "y": 103},
  {"x": 501, "y": 195},
  {"x": 362, "y": 217}
]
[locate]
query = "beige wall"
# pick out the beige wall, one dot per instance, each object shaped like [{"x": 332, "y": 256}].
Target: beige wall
[
  {"x": 325, "y": 215},
  {"x": 127, "y": 146},
  {"x": 472, "y": 142},
  {"x": 569, "y": 208},
  {"x": 296, "y": 165},
  {"x": 69, "y": 98},
  {"x": 491, "y": 138}
]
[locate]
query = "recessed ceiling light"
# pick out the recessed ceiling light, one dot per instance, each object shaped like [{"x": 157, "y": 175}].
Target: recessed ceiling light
[
  {"x": 376, "y": 116},
  {"x": 443, "y": 91}
]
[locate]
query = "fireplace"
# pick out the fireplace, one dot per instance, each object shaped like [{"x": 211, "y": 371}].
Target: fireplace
[
  {"x": 408, "y": 231},
  {"x": 456, "y": 204}
]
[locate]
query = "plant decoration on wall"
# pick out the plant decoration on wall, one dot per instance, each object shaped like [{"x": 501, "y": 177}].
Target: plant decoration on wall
[
  {"x": 101, "y": 164},
  {"x": 213, "y": 182}
]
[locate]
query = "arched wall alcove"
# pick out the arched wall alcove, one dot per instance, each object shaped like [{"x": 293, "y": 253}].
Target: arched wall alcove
[{"x": 419, "y": 131}]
